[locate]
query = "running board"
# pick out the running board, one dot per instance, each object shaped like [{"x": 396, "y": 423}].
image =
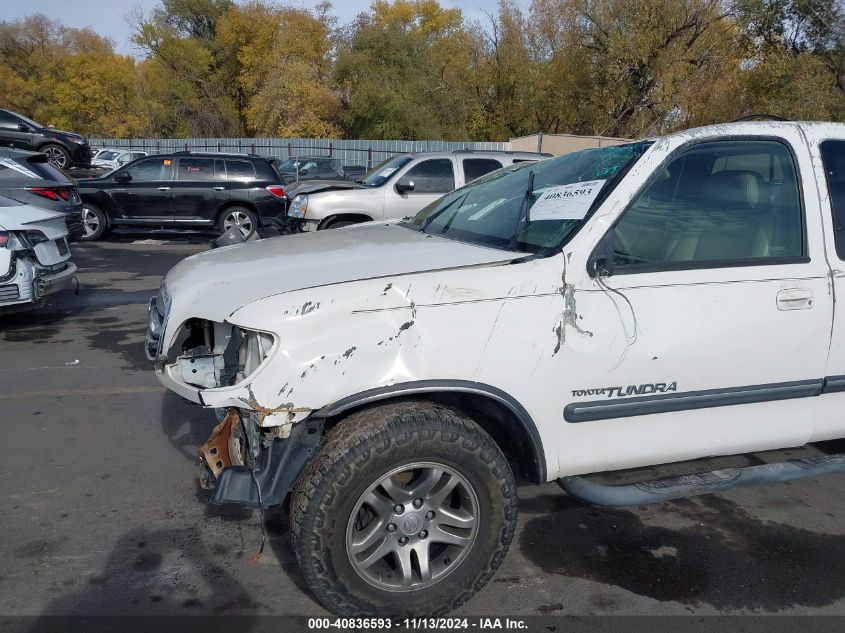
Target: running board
[{"x": 683, "y": 486}]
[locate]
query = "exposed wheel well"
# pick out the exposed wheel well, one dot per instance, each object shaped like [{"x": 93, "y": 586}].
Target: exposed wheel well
[
  {"x": 344, "y": 217},
  {"x": 513, "y": 435}
]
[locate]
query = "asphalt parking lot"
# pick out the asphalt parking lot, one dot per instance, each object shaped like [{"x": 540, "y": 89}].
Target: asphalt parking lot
[{"x": 102, "y": 515}]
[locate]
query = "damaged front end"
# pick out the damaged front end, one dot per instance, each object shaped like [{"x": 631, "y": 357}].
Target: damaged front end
[
  {"x": 246, "y": 464},
  {"x": 255, "y": 453}
]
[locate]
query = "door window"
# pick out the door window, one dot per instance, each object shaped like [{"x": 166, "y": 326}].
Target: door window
[
  {"x": 152, "y": 169},
  {"x": 219, "y": 170},
  {"x": 833, "y": 159},
  {"x": 716, "y": 203},
  {"x": 432, "y": 176},
  {"x": 196, "y": 169},
  {"x": 240, "y": 170},
  {"x": 477, "y": 167}
]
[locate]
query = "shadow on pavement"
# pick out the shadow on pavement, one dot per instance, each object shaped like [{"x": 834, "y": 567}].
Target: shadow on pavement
[{"x": 157, "y": 572}]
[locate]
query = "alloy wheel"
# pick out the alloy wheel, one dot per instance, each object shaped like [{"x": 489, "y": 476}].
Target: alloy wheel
[
  {"x": 90, "y": 222},
  {"x": 239, "y": 219},
  {"x": 56, "y": 157},
  {"x": 412, "y": 527}
]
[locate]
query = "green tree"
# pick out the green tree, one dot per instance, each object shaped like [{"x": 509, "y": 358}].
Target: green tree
[{"x": 401, "y": 72}]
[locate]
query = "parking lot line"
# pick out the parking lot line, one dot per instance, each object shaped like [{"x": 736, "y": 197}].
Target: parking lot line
[{"x": 64, "y": 393}]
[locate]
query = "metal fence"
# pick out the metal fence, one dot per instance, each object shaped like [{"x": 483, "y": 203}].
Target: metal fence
[{"x": 350, "y": 152}]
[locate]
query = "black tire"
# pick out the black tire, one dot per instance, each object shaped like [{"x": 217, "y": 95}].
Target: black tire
[
  {"x": 356, "y": 455},
  {"x": 238, "y": 216},
  {"x": 94, "y": 223},
  {"x": 339, "y": 224},
  {"x": 57, "y": 155}
]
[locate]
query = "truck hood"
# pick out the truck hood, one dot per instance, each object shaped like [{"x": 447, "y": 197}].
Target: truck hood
[
  {"x": 214, "y": 284},
  {"x": 314, "y": 186}
]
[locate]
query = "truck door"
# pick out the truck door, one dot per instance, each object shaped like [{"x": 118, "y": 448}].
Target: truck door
[
  {"x": 710, "y": 335},
  {"x": 431, "y": 178},
  {"x": 829, "y": 158}
]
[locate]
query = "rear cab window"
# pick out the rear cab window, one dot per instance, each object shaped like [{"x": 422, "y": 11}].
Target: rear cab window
[
  {"x": 833, "y": 160},
  {"x": 478, "y": 167}
]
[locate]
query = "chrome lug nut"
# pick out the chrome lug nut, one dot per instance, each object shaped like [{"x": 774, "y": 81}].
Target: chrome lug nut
[
  {"x": 391, "y": 527},
  {"x": 423, "y": 534},
  {"x": 429, "y": 515},
  {"x": 398, "y": 508},
  {"x": 417, "y": 503},
  {"x": 403, "y": 540}
]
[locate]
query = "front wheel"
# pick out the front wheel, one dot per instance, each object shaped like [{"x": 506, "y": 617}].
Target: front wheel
[
  {"x": 57, "y": 155},
  {"x": 241, "y": 218},
  {"x": 408, "y": 509}
]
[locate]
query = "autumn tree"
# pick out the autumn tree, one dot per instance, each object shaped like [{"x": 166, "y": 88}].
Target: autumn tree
[
  {"x": 795, "y": 57},
  {"x": 188, "y": 79},
  {"x": 401, "y": 71},
  {"x": 69, "y": 78},
  {"x": 285, "y": 57}
]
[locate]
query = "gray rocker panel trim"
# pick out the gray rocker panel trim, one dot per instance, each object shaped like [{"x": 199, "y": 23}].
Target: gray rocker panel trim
[
  {"x": 461, "y": 386},
  {"x": 684, "y": 401}
]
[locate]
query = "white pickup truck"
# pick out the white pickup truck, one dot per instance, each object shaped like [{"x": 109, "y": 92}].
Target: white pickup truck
[{"x": 613, "y": 308}]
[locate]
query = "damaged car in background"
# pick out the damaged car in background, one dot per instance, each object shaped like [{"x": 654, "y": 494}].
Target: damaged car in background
[
  {"x": 34, "y": 255},
  {"x": 583, "y": 319}
]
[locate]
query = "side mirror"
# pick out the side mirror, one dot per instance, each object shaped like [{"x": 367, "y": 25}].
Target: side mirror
[
  {"x": 123, "y": 176},
  {"x": 403, "y": 185},
  {"x": 23, "y": 127},
  {"x": 600, "y": 263}
]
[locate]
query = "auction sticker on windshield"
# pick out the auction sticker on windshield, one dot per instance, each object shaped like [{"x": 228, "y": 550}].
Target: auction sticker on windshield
[{"x": 566, "y": 202}]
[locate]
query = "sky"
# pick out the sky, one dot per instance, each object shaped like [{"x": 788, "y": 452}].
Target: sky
[{"x": 106, "y": 17}]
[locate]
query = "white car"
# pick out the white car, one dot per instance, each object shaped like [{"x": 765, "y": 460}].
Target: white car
[
  {"x": 34, "y": 255},
  {"x": 114, "y": 158},
  {"x": 613, "y": 308}
]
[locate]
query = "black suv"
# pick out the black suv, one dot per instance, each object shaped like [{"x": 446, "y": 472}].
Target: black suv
[
  {"x": 63, "y": 149},
  {"x": 184, "y": 189},
  {"x": 29, "y": 178}
]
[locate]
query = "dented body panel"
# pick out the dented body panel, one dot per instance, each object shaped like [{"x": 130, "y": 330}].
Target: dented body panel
[
  {"x": 34, "y": 255},
  {"x": 600, "y": 365}
]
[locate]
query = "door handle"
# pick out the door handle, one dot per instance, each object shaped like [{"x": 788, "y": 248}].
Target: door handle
[
  {"x": 164, "y": 188},
  {"x": 218, "y": 188},
  {"x": 795, "y": 299}
]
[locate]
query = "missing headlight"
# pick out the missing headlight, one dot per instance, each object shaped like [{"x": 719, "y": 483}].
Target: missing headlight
[{"x": 213, "y": 354}]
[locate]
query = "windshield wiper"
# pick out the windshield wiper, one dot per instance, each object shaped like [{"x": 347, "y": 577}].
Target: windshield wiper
[
  {"x": 432, "y": 217},
  {"x": 523, "y": 211}
]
